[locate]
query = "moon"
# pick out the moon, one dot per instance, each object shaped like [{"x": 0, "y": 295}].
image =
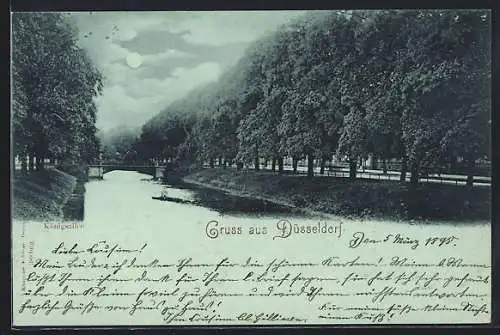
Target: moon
[{"x": 134, "y": 60}]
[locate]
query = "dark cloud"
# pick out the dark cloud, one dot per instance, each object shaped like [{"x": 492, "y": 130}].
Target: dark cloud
[
  {"x": 226, "y": 56},
  {"x": 167, "y": 67},
  {"x": 152, "y": 42}
]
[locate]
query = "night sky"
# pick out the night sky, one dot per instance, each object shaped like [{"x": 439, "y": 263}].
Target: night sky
[{"x": 150, "y": 59}]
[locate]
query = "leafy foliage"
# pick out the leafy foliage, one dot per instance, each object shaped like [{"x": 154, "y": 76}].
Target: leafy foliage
[
  {"x": 54, "y": 83},
  {"x": 406, "y": 84}
]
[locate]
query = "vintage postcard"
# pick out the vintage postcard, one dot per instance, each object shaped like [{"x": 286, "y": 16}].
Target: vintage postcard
[{"x": 251, "y": 168}]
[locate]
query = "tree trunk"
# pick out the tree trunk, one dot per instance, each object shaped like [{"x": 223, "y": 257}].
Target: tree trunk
[
  {"x": 280, "y": 165},
  {"x": 403, "y": 169},
  {"x": 310, "y": 166},
  {"x": 212, "y": 163},
  {"x": 220, "y": 160},
  {"x": 384, "y": 165},
  {"x": 414, "y": 170},
  {"x": 470, "y": 172},
  {"x": 24, "y": 164},
  {"x": 31, "y": 162},
  {"x": 273, "y": 165},
  {"x": 39, "y": 163},
  {"x": 322, "y": 167},
  {"x": 374, "y": 162},
  {"x": 295, "y": 163},
  {"x": 453, "y": 165},
  {"x": 239, "y": 166},
  {"x": 256, "y": 163},
  {"x": 352, "y": 168},
  {"x": 256, "y": 160},
  {"x": 265, "y": 163}
]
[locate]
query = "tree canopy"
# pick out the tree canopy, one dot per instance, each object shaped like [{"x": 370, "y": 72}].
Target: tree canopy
[
  {"x": 411, "y": 85},
  {"x": 53, "y": 86}
]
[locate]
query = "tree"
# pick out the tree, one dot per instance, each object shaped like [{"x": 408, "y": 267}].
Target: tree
[
  {"x": 258, "y": 133},
  {"x": 310, "y": 123},
  {"x": 353, "y": 92},
  {"x": 381, "y": 42},
  {"x": 468, "y": 134},
  {"x": 56, "y": 82},
  {"x": 120, "y": 145},
  {"x": 442, "y": 87}
]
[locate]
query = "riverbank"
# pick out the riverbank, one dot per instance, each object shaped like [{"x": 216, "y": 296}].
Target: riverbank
[
  {"x": 368, "y": 199},
  {"x": 41, "y": 195}
]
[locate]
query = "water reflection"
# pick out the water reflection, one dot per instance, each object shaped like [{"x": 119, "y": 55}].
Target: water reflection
[
  {"x": 144, "y": 199},
  {"x": 74, "y": 207},
  {"x": 223, "y": 202}
]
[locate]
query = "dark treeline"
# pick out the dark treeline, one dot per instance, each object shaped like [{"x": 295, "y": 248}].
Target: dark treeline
[
  {"x": 53, "y": 86},
  {"x": 410, "y": 85},
  {"x": 119, "y": 145}
]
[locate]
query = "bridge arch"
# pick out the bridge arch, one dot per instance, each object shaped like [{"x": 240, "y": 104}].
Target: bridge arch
[{"x": 97, "y": 171}]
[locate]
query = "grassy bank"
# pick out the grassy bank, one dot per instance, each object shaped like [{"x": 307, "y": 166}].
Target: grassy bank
[
  {"x": 359, "y": 198},
  {"x": 41, "y": 195}
]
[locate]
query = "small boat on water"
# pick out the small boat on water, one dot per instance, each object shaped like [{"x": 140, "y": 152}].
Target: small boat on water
[
  {"x": 177, "y": 200},
  {"x": 165, "y": 197}
]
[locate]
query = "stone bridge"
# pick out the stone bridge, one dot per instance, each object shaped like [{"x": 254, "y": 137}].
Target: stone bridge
[{"x": 98, "y": 171}]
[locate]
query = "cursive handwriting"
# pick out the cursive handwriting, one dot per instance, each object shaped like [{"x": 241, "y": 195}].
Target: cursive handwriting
[
  {"x": 362, "y": 239},
  {"x": 109, "y": 277}
]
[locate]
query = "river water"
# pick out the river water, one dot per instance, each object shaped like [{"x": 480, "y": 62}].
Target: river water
[{"x": 127, "y": 196}]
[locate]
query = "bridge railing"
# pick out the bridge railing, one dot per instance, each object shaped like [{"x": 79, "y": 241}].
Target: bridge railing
[{"x": 153, "y": 170}]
